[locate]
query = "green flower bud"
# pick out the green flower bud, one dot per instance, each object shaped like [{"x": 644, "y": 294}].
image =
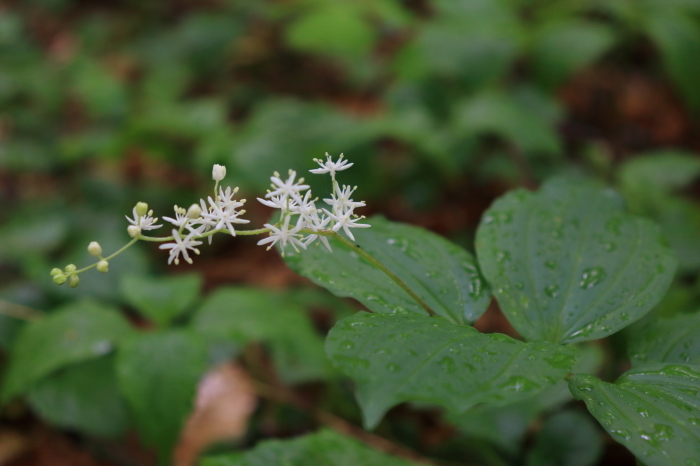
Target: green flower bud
[
  {"x": 59, "y": 279},
  {"x": 95, "y": 249},
  {"x": 141, "y": 209},
  {"x": 55, "y": 271},
  {"x": 134, "y": 231},
  {"x": 73, "y": 281},
  {"x": 103, "y": 266},
  {"x": 70, "y": 268}
]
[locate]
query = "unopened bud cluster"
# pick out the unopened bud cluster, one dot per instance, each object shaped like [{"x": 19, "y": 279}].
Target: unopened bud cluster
[{"x": 300, "y": 222}]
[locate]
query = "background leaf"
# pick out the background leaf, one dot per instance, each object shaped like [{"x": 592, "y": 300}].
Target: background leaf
[
  {"x": 325, "y": 447},
  {"x": 568, "y": 264},
  {"x": 77, "y": 332},
  {"x": 565, "y": 47},
  {"x": 652, "y": 409},
  {"x": 83, "y": 396},
  {"x": 244, "y": 315},
  {"x": 568, "y": 438},
  {"x": 441, "y": 273},
  {"x": 408, "y": 357},
  {"x": 158, "y": 374},
  {"x": 671, "y": 340},
  {"x": 161, "y": 299}
]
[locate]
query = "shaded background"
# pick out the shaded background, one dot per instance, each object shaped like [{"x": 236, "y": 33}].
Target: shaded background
[{"x": 441, "y": 104}]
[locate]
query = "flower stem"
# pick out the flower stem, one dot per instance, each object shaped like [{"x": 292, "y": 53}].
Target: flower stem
[
  {"x": 384, "y": 269},
  {"x": 111, "y": 256}
]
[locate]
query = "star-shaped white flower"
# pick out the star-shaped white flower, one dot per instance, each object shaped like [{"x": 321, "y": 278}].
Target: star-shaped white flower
[
  {"x": 284, "y": 235},
  {"x": 144, "y": 222},
  {"x": 331, "y": 167},
  {"x": 276, "y": 202},
  {"x": 180, "y": 219},
  {"x": 341, "y": 202},
  {"x": 305, "y": 209},
  {"x": 180, "y": 246},
  {"x": 345, "y": 221},
  {"x": 318, "y": 224},
  {"x": 227, "y": 200},
  {"x": 287, "y": 189},
  {"x": 223, "y": 217}
]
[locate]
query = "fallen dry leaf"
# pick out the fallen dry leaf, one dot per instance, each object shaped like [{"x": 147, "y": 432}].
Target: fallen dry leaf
[{"x": 225, "y": 400}]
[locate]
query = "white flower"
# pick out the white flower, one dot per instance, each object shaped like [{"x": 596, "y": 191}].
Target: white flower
[
  {"x": 223, "y": 216},
  {"x": 341, "y": 202},
  {"x": 345, "y": 222},
  {"x": 305, "y": 209},
  {"x": 180, "y": 246},
  {"x": 330, "y": 166},
  {"x": 276, "y": 202},
  {"x": 218, "y": 172},
  {"x": 144, "y": 222},
  {"x": 284, "y": 235},
  {"x": 316, "y": 225},
  {"x": 287, "y": 189},
  {"x": 226, "y": 197},
  {"x": 180, "y": 219}
]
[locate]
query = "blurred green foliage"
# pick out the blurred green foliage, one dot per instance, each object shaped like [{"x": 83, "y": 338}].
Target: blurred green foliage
[{"x": 438, "y": 103}]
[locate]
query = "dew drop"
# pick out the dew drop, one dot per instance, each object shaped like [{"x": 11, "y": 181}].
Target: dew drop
[
  {"x": 552, "y": 291},
  {"x": 347, "y": 344},
  {"x": 591, "y": 277},
  {"x": 393, "y": 367},
  {"x": 448, "y": 365}
]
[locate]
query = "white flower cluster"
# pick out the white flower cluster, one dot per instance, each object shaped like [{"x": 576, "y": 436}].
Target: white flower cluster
[{"x": 310, "y": 222}]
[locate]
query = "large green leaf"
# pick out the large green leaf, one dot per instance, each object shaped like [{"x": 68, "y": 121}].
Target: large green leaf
[
  {"x": 568, "y": 438},
  {"x": 161, "y": 299},
  {"x": 671, "y": 340},
  {"x": 568, "y": 264},
  {"x": 83, "y": 396},
  {"x": 325, "y": 448},
  {"x": 408, "y": 357},
  {"x": 442, "y": 274},
  {"x": 653, "y": 410},
  {"x": 75, "y": 333},
  {"x": 506, "y": 425},
  {"x": 158, "y": 374},
  {"x": 243, "y": 315},
  {"x": 661, "y": 171}
]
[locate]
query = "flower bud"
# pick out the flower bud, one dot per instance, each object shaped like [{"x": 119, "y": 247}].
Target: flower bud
[
  {"x": 134, "y": 231},
  {"x": 218, "y": 172},
  {"x": 141, "y": 209},
  {"x": 194, "y": 211},
  {"x": 59, "y": 279},
  {"x": 56, "y": 271},
  {"x": 70, "y": 268},
  {"x": 95, "y": 249},
  {"x": 73, "y": 281},
  {"x": 103, "y": 266}
]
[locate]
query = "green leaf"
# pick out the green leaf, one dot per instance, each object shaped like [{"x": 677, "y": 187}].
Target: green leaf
[
  {"x": 161, "y": 299},
  {"x": 441, "y": 273},
  {"x": 158, "y": 374},
  {"x": 500, "y": 114},
  {"x": 568, "y": 264},
  {"x": 77, "y": 332},
  {"x": 335, "y": 28},
  {"x": 677, "y": 36},
  {"x": 567, "y": 47},
  {"x": 506, "y": 425},
  {"x": 82, "y": 396},
  {"x": 670, "y": 340},
  {"x": 568, "y": 438},
  {"x": 653, "y": 410},
  {"x": 662, "y": 171},
  {"x": 244, "y": 315},
  {"x": 325, "y": 448},
  {"x": 680, "y": 222},
  {"x": 408, "y": 357}
]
